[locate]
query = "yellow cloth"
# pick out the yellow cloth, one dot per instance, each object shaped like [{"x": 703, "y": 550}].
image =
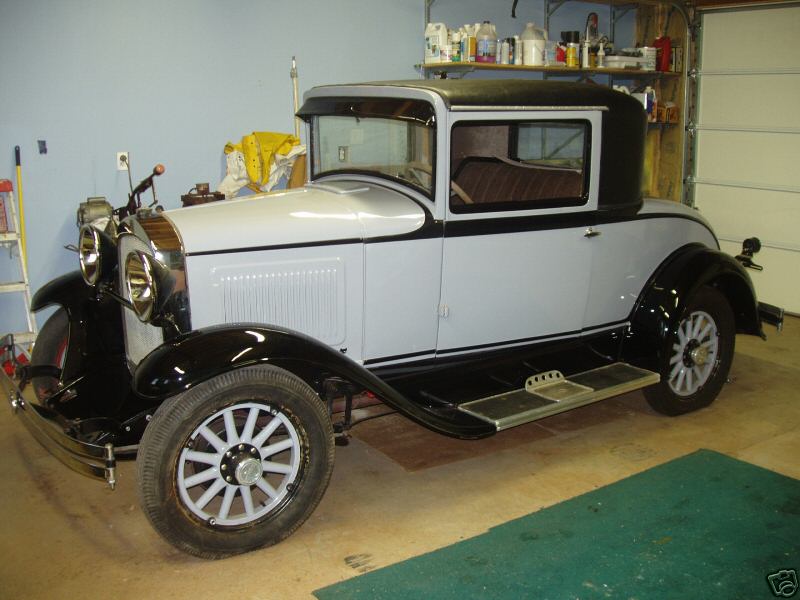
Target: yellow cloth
[{"x": 258, "y": 149}]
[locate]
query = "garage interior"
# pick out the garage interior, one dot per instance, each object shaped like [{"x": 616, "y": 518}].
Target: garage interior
[{"x": 172, "y": 84}]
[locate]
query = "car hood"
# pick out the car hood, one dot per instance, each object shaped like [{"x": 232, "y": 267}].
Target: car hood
[{"x": 316, "y": 213}]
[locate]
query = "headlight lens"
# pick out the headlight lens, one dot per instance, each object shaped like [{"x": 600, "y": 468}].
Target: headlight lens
[
  {"x": 141, "y": 283},
  {"x": 89, "y": 247}
]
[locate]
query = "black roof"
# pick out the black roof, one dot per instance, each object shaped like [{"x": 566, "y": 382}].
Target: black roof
[{"x": 517, "y": 92}]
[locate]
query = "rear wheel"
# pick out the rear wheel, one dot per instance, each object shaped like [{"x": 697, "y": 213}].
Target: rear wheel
[
  {"x": 236, "y": 463},
  {"x": 49, "y": 350},
  {"x": 697, "y": 356}
]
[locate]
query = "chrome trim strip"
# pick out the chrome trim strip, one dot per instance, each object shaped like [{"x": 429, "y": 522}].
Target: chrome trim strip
[{"x": 463, "y": 108}]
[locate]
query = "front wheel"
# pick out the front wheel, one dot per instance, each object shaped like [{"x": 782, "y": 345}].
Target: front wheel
[
  {"x": 697, "y": 356},
  {"x": 236, "y": 463}
]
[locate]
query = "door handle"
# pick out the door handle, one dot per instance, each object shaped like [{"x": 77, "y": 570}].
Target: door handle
[{"x": 591, "y": 232}]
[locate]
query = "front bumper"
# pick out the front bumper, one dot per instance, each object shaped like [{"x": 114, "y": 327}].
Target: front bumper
[
  {"x": 88, "y": 459},
  {"x": 772, "y": 315}
]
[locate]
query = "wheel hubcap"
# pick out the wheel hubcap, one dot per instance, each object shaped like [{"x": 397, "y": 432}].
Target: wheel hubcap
[
  {"x": 694, "y": 353},
  {"x": 239, "y": 464},
  {"x": 699, "y": 356},
  {"x": 249, "y": 471}
]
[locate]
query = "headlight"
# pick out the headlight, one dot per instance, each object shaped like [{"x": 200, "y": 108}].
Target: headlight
[
  {"x": 97, "y": 254},
  {"x": 149, "y": 284}
]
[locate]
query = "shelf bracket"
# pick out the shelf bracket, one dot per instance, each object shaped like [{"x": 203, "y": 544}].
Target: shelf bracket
[
  {"x": 552, "y": 7},
  {"x": 621, "y": 12}
]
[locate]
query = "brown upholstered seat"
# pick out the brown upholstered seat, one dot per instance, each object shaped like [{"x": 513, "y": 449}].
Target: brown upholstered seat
[{"x": 488, "y": 180}]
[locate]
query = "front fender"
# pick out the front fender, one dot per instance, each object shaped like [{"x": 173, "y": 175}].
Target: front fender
[
  {"x": 68, "y": 290},
  {"x": 200, "y": 355},
  {"x": 658, "y": 310}
]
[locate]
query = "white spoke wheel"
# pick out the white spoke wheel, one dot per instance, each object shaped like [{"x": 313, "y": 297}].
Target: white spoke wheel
[
  {"x": 694, "y": 353},
  {"x": 697, "y": 356},
  {"x": 250, "y": 454},
  {"x": 235, "y": 463}
]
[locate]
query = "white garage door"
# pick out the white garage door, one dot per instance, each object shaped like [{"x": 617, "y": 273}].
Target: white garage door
[{"x": 747, "y": 173}]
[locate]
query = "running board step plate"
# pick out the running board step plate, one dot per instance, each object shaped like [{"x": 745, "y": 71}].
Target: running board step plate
[{"x": 549, "y": 393}]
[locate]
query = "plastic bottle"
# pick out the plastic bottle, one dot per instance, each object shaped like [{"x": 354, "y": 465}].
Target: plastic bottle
[
  {"x": 652, "y": 104},
  {"x": 487, "y": 43},
  {"x": 435, "y": 39},
  {"x": 585, "y": 55},
  {"x": 446, "y": 53},
  {"x": 469, "y": 43},
  {"x": 517, "y": 50},
  {"x": 663, "y": 47},
  {"x": 601, "y": 56},
  {"x": 455, "y": 42},
  {"x": 533, "y": 41}
]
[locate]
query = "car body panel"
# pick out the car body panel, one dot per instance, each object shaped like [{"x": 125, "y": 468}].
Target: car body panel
[
  {"x": 314, "y": 214},
  {"x": 625, "y": 254}
]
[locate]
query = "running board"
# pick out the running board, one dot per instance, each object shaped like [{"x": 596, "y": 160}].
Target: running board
[{"x": 550, "y": 393}]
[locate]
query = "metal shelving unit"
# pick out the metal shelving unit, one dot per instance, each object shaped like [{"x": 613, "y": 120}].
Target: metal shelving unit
[{"x": 673, "y": 143}]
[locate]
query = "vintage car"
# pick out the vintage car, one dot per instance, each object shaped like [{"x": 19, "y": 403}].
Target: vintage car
[{"x": 474, "y": 254}]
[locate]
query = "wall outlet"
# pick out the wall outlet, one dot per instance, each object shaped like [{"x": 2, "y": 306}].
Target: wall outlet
[{"x": 122, "y": 161}]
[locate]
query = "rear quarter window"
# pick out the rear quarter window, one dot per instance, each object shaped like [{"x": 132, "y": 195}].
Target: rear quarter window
[{"x": 500, "y": 166}]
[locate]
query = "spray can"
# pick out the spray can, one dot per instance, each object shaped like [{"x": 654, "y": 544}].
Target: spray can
[
  {"x": 573, "y": 48},
  {"x": 517, "y": 50}
]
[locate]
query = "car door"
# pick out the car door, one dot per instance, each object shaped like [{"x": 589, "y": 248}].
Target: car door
[{"x": 516, "y": 255}]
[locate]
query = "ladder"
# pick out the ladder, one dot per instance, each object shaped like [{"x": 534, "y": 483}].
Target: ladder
[{"x": 12, "y": 239}]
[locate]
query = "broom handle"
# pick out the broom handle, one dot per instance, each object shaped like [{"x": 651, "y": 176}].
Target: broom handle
[
  {"x": 23, "y": 246},
  {"x": 296, "y": 93}
]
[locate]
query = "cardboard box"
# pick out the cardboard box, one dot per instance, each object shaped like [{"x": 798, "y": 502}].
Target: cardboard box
[{"x": 668, "y": 113}]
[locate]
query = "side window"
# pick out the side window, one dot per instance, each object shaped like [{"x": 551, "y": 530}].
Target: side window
[{"x": 500, "y": 166}]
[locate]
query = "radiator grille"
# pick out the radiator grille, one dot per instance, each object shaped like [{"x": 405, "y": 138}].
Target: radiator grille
[
  {"x": 306, "y": 297},
  {"x": 140, "y": 338}
]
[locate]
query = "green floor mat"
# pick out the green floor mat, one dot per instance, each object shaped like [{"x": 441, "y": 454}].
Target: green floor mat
[{"x": 702, "y": 526}]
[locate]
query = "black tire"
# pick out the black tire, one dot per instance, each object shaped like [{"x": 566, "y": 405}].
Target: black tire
[
  {"x": 173, "y": 436},
  {"x": 49, "y": 350},
  {"x": 704, "y": 359}
]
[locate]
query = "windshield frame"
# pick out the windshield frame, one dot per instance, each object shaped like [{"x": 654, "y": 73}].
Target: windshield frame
[{"x": 417, "y": 111}]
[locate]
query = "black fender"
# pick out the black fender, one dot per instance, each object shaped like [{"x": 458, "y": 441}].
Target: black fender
[
  {"x": 200, "y": 355},
  {"x": 662, "y": 302},
  {"x": 68, "y": 290},
  {"x": 95, "y": 357},
  {"x": 72, "y": 293}
]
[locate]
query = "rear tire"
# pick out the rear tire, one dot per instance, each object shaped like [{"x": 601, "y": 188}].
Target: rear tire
[
  {"x": 49, "y": 350},
  {"x": 235, "y": 463},
  {"x": 697, "y": 356}
]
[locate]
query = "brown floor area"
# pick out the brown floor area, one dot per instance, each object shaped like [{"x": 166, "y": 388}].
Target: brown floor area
[{"x": 392, "y": 496}]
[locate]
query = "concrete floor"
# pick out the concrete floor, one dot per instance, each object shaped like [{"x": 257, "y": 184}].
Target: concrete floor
[{"x": 65, "y": 536}]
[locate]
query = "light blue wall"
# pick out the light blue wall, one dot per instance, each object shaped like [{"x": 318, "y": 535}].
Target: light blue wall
[
  {"x": 172, "y": 82},
  {"x": 169, "y": 82}
]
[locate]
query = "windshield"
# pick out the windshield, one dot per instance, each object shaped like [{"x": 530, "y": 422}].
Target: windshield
[{"x": 387, "y": 138}]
